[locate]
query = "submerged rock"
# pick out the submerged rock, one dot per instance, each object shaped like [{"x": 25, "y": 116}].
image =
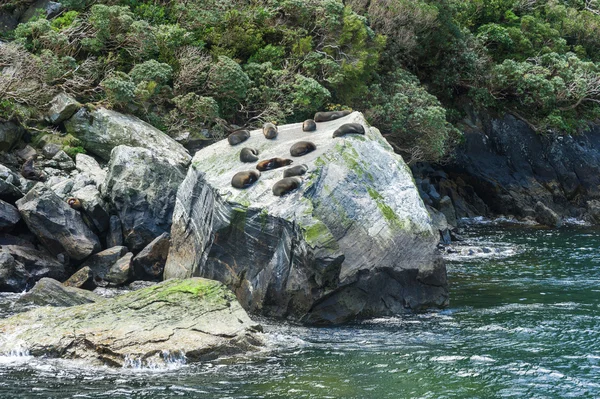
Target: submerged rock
[
  {"x": 546, "y": 216},
  {"x": 196, "y": 319},
  {"x": 102, "y": 130},
  {"x": 141, "y": 189},
  {"x": 355, "y": 240}
]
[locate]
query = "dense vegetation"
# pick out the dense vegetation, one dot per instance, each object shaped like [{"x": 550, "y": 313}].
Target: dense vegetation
[{"x": 198, "y": 66}]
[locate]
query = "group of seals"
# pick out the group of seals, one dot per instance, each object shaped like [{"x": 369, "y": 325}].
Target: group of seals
[{"x": 290, "y": 181}]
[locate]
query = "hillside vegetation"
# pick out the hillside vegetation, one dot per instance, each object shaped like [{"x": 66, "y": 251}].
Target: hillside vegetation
[{"x": 199, "y": 66}]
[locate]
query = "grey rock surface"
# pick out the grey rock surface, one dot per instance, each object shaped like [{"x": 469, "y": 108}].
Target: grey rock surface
[
  {"x": 93, "y": 207},
  {"x": 193, "y": 319},
  {"x": 49, "y": 292},
  {"x": 121, "y": 272},
  {"x": 62, "y": 107},
  {"x": 30, "y": 265},
  {"x": 149, "y": 264},
  {"x": 91, "y": 167},
  {"x": 13, "y": 276},
  {"x": 9, "y": 216},
  {"x": 103, "y": 261},
  {"x": 354, "y": 241},
  {"x": 141, "y": 189},
  {"x": 58, "y": 227},
  {"x": 102, "y": 130},
  {"x": 546, "y": 216},
  {"x": 82, "y": 278},
  {"x": 114, "y": 236},
  {"x": 10, "y": 134}
]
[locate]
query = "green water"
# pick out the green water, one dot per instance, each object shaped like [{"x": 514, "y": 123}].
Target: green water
[{"x": 524, "y": 322}]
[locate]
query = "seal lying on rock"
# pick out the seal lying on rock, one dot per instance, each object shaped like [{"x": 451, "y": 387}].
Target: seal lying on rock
[
  {"x": 239, "y": 136},
  {"x": 248, "y": 154},
  {"x": 309, "y": 125},
  {"x": 245, "y": 179},
  {"x": 74, "y": 203},
  {"x": 270, "y": 131},
  {"x": 349, "y": 128},
  {"x": 273, "y": 163},
  {"x": 297, "y": 170},
  {"x": 302, "y": 148},
  {"x": 330, "y": 116},
  {"x": 29, "y": 171},
  {"x": 286, "y": 185}
]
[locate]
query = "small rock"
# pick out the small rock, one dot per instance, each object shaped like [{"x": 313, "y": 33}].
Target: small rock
[
  {"x": 63, "y": 161},
  {"x": 101, "y": 263},
  {"x": 9, "y": 216},
  {"x": 447, "y": 208},
  {"x": 49, "y": 292},
  {"x": 90, "y": 166},
  {"x": 13, "y": 276},
  {"x": 121, "y": 272},
  {"x": 546, "y": 216},
  {"x": 50, "y": 150},
  {"x": 82, "y": 278},
  {"x": 27, "y": 152},
  {"x": 62, "y": 107},
  {"x": 149, "y": 264}
]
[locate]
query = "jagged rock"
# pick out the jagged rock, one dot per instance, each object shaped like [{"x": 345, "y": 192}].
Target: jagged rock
[
  {"x": 10, "y": 134},
  {"x": 439, "y": 223},
  {"x": 26, "y": 152},
  {"x": 30, "y": 266},
  {"x": 121, "y": 272},
  {"x": 62, "y": 107},
  {"x": 90, "y": 166},
  {"x": 49, "y": 292},
  {"x": 49, "y": 150},
  {"x": 546, "y": 216},
  {"x": 63, "y": 161},
  {"x": 23, "y": 240},
  {"x": 13, "y": 276},
  {"x": 102, "y": 130},
  {"x": 114, "y": 237},
  {"x": 9, "y": 216},
  {"x": 101, "y": 263},
  {"x": 9, "y": 176},
  {"x": 447, "y": 208},
  {"x": 82, "y": 180},
  {"x": 58, "y": 227},
  {"x": 93, "y": 207},
  {"x": 50, "y": 9},
  {"x": 61, "y": 186},
  {"x": 593, "y": 211},
  {"x": 141, "y": 189},
  {"x": 149, "y": 264},
  {"x": 355, "y": 240},
  {"x": 82, "y": 278},
  {"x": 9, "y": 192},
  {"x": 197, "y": 319}
]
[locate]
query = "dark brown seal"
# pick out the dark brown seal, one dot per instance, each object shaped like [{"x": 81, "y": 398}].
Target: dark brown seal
[
  {"x": 245, "y": 179},
  {"x": 29, "y": 171},
  {"x": 309, "y": 125},
  {"x": 270, "y": 130},
  {"x": 349, "y": 128},
  {"x": 330, "y": 116},
  {"x": 297, "y": 170},
  {"x": 239, "y": 136},
  {"x": 273, "y": 163},
  {"x": 286, "y": 185},
  {"x": 302, "y": 148},
  {"x": 248, "y": 154},
  {"x": 74, "y": 203}
]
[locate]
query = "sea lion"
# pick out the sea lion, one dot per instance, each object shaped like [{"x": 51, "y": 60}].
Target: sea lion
[
  {"x": 248, "y": 154},
  {"x": 297, "y": 170},
  {"x": 330, "y": 116},
  {"x": 273, "y": 163},
  {"x": 309, "y": 125},
  {"x": 245, "y": 179},
  {"x": 302, "y": 148},
  {"x": 29, "y": 171},
  {"x": 284, "y": 186},
  {"x": 270, "y": 130},
  {"x": 74, "y": 203},
  {"x": 349, "y": 128},
  {"x": 239, "y": 136}
]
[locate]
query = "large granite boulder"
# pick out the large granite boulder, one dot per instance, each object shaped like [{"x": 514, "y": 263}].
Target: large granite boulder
[
  {"x": 9, "y": 216},
  {"x": 62, "y": 107},
  {"x": 58, "y": 227},
  {"x": 101, "y": 263},
  {"x": 102, "y": 130},
  {"x": 354, "y": 241},
  {"x": 21, "y": 266},
  {"x": 193, "y": 319},
  {"x": 10, "y": 134},
  {"x": 141, "y": 189},
  {"x": 88, "y": 165}
]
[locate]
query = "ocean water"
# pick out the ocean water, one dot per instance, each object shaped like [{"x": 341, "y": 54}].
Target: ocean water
[{"x": 524, "y": 322}]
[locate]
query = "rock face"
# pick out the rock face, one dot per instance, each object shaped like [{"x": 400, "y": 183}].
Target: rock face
[
  {"x": 49, "y": 292},
  {"x": 60, "y": 228},
  {"x": 21, "y": 266},
  {"x": 354, "y": 241},
  {"x": 9, "y": 216},
  {"x": 101, "y": 263},
  {"x": 141, "y": 189},
  {"x": 102, "y": 130},
  {"x": 196, "y": 319},
  {"x": 10, "y": 134},
  {"x": 62, "y": 108},
  {"x": 506, "y": 168},
  {"x": 149, "y": 264}
]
